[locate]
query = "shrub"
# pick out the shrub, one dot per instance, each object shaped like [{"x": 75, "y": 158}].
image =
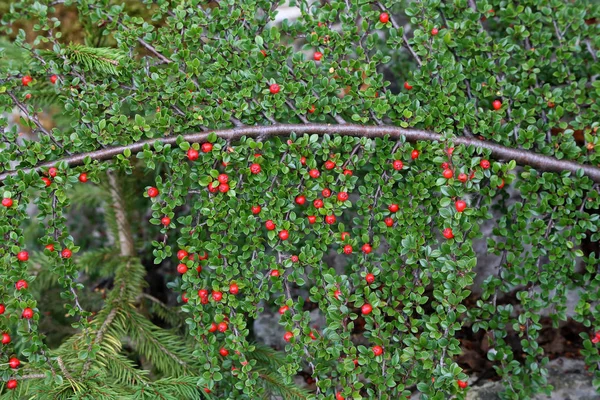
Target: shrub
[{"x": 233, "y": 153}]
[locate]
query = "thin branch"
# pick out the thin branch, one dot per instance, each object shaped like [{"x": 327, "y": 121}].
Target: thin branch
[{"x": 404, "y": 38}]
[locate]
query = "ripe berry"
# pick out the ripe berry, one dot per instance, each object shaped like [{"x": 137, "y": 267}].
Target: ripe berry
[
  {"x": 224, "y": 352},
  {"x": 204, "y": 256},
  {"x": 330, "y": 219},
  {"x": 6, "y": 202},
  {"x": 314, "y": 173},
  {"x": 52, "y": 171},
  {"x": 434, "y": 31},
  {"x": 393, "y": 208},
  {"x": 342, "y": 196},
  {"x": 347, "y": 249},
  {"x": 166, "y": 221},
  {"x": 366, "y": 309},
  {"x": 202, "y": 293},
  {"x": 326, "y": 193},
  {"x": 14, "y": 362},
  {"x": 338, "y": 396},
  {"x": 217, "y": 296},
  {"x": 222, "y": 327},
  {"x": 447, "y": 232},
  {"x": 485, "y": 164},
  {"x": 224, "y": 188},
  {"x": 415, "y": 154},
  {"x": 274, "y": 88},
  {"x": 347, "y": 172},
  {"x": 27, "y": 313},
  {"x": 303, "y": 160},
  {"x": 407, "y": 86},
  {"x": 501, "y": 185},
  {"x": 182, "y": 268},
  {"x": 255, "y": 168},
  {"x": 311, "y": 109},
  {"x": 11, "y": 384},
  {"x": 206, "y": 147},
  {"x": 312, "y": 336},
  {"x": 318, "y": 55},
  {"x": 370, "y": 278},
  {"x": 184, "y": 297},
  {"x": 83, "y": 177},
  {"x": 384, "y": 18},
  {"x": 212, "y": 189},
  {"x": 284, "y": 235},
  {"x": 53, "y": 79},
  {"x": 256, "y": 209},
  {"x": 46, "y": 181},
  {"x": 460, "y": 205},
  {"x": 21, "y": 284},
  {"x": 366, "y": 248},
  {"x": 223, "y": 178},
  {"x": 213, "y": 327},
  {"x": 23, "y": 256},
  {"x": 388, "y": 221},
  {"x": 5, "y": 338},
  {"x": 275, "y": 273},
  {"x": 397, "y": 165},
  {"x": 318, "y": 203},
  {"x": 329, "y": 164},
  {"x": 152, "y": 192},
  {"x": 497, "y": 104},
  {"x": 288, "y": 336},
  {"x": 270, "y": 225},
  {"x": 337, "y": 294},
  {"x": 2, "y": 309},
  {"x": 26, "y": 80},
  {"x": 462, "y": 384},
  {"x": 300, "y": 200},
  {"x": 294, "y": 258},
  {"x": 264, "y": 53},
  {"x": 283, "y": 309},
  {"x": 66, "y": 253},
  {"x": 448, "y": 173},
  {"x": 27, "y": 96},
  {"x": 181, "y": 254},
  {"x": 312, "y": 219},
  {"x": 192, "y": 154},
  {"x": 450, "y": 151},
  {"x": 344, "y": 236},
  {"x": 377, "y": 350},
  {"x": 462, "y": 177}
]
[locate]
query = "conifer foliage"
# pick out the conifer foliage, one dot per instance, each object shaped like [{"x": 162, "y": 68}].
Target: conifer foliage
[{"x": 236, "y": 153}]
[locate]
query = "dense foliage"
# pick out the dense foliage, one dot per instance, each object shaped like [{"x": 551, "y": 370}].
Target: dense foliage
[{"x": 245, "y": 225}]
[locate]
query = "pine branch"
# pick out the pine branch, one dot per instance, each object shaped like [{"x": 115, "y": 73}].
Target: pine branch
[
  {"x": 91, "y": 59},
  {"x": 276, "y": 385}
]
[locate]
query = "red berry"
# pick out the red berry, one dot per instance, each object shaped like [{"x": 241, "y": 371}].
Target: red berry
[
  {"x": 274, "y": 88},
  {"x": 393, "y": 208},
  {"x": 199, "y": 268},
  {"x": 462, "y": 177},
  {"x": 326, "y": 193},
  {"x": 384, "y": 18},
  {"x": 264, "y": 53},
  {"x": 288, "y": 336},
  {"x": 256, "y": 209},
  {"x": 283, "y": 309},
  {"x": 497, "y": 104},
  {"x": 284, "y": 235},
  {"x": 213, "y": 189},
  {"x": 460, "y": 205},
  {"x": 366, "y": 248},
  {"x": 448, "y": 173},
  {"x": 347, "y": 172},
  {"x": 275, "y": 273},
  {"x": 377, "y": 350},
  {"x": 344, "y": 236},
  {"x": 318, "y": 203},
  {"x": 447, "y": 232},
  {"x": 46, "y": 181},
  {"x": 14, "y": 362},
  {"x": 311, "y": 109},
  {"x": 11, "y": 384},
  {"x": 206, "y": 147},
  {"x": 213, "y": 327},
  {"x": 303, "y": 160},
  {"x": 53, "y": 79},
  {"x": 204, "y": 256},
  {"x": 329, "y": 164},
  {"x": 342, "y": 196},
  {"x": 52, "y": 171},
  {"x": 182, "y": 268},
  {"x": 338, "y": 396},
  {"x": 397, "y": 165},
  {"x": 27, "y": 313},
  {"x": 312, "y": 336},
  {"x": 21, "y": 284},
  {"x": 270, "y": 225},
  {"x": 434, "y": 31},
  {"x": 347, "y": 249},
  {"x": 27, "y": 96},
  {"x": 224, "y": 352},
  {"x": 66, "y": 253},
  {"x": 23, "y": 256},
  {"x": 485, "y": 164},
  {"x": 388, "y": 221},
  {"x": 222, "y": 327},
  {"x": 370, "y": 278},
  {"x": 5, "y": 338},
  {"x": 294, "y": 258},
  {"x": 6, "y": 202},
  {"x": 407, "y": 86},
  {"x": 26, "y": 80},
  {"x": 223, "y": 178},
  {"x": 314, "y": 173},
  {"x": 337, "y": 294},
  {"x": 501, "y": 185},
  {"x": 445, "y": 165},
  {"x": 330, "y": 219},
  {"x": 181, "y": 254},
  {"x": 217, "y": 296},
  {"x": 255, "y": 168},
  {"x": 202, "y": 293},
  {"x": 223, "y": 188},
  {"x": 318, "y": 55},
  {"x": 192, "y": 154},
  {"x": 596, "y": 339},
  {"x": 366, "y": 309},
  {"x": 2, "y": 309},
  {"x": 450, "y": 151},
  {"x": 414, "y": 154},
  {"x": 300, "y": 200},
  {"x": 462, "y": 384},
  {"x": 472, "y": 175},
  {"x": 152, "y": 192},
  {"x": 184, "y": 297},
  {"x": 83, "y": 177},
  {"x": 312, "y": 219}
]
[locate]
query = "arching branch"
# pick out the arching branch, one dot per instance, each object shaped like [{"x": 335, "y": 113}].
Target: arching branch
[{"x": 499, "y": 152}]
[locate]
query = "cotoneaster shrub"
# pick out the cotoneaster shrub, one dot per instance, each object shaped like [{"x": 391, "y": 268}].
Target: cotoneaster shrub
[{"x": 170, "y": 120}]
